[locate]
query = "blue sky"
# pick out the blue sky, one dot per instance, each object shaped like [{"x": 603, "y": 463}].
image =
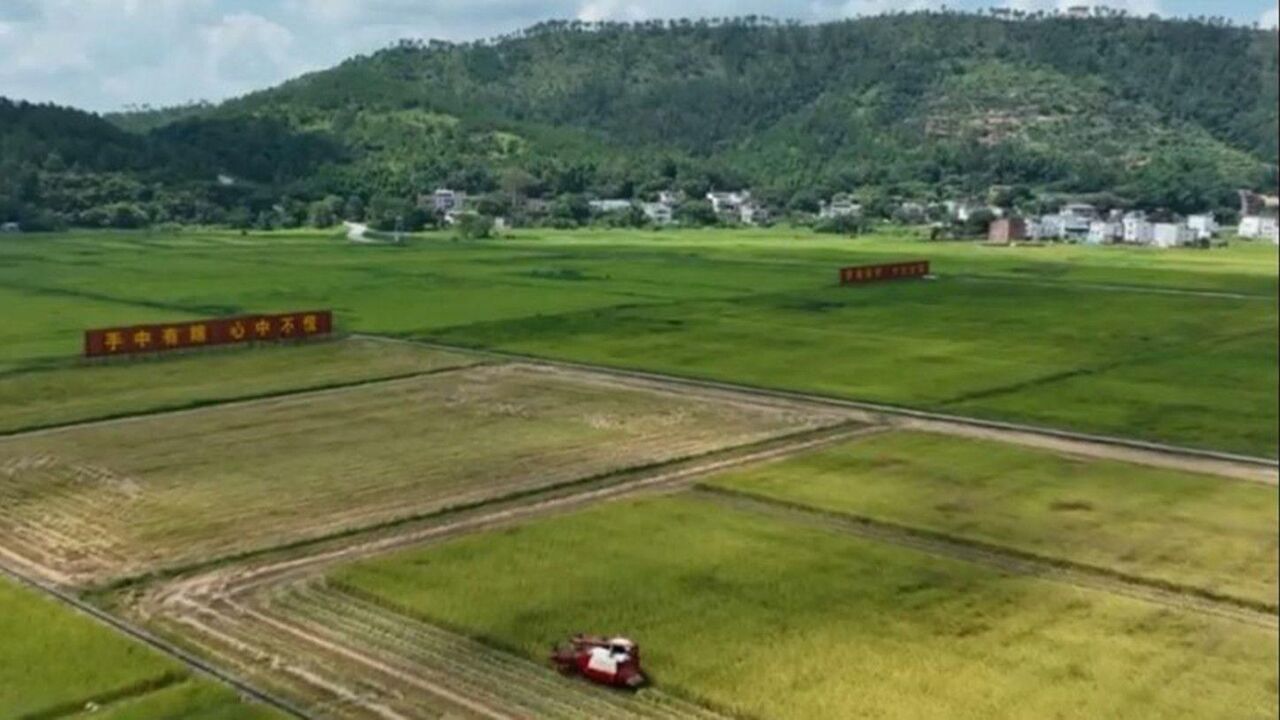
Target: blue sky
[{"x": 106, "y": 54}]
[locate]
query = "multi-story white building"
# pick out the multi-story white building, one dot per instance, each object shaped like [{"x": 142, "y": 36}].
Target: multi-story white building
[
  {"x": 1258, "y": 227},
  {"x": 1204, "y": 226},
  {"x": 1137, "y": 231},
  {"x": 445, "y": 200},
  {"x": 658, "y": 213},
  {"x": 1167, "y": 235},
  {"x": 1102, "y": 232},
  {"x": 841, "y": 205}
]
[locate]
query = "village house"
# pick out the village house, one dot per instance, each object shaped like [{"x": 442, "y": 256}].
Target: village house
[
  {"x": 1258, "y": 217},
  {"x": 841, "y": 205},
  {"x": 445, "y": 201},
  {"x": 1102, "y": 232},
  {"x": 728, "y": 203},
  {"x": 1004, "y": 231},
  {"x": 1205, "y": 226},
  {"x": 1137, "y": 230},
  {"x": 753, "y": 213},
  {"x": 1257, "y": 227},
  {"x": 604, "y": 207},
  {"x": 10, "y": 227},
  {"x": 658, "y": 213},
  {"x": 912, "y": 212},
  {"x": 1168, "y": 234}
]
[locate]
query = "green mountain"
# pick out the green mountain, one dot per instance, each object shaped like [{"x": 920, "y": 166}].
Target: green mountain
[{"x": 1144, "y": 112}]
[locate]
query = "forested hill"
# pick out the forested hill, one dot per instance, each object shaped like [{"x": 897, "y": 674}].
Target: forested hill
[{"x": 1143, "y": 112}]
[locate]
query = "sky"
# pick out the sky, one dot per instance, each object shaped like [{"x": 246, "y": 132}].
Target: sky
[{"x": 105, "y": 55}]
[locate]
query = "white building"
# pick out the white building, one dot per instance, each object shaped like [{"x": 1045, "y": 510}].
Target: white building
[
  {"x": 658, "y": 213},
  {"x": 1205, "y": 227},
  {"x": 1167, "y": 235},
  {"x": 1137, "y": 231},
  {"x": 728, "y": 202},
  {"x": 444, "y": 200},
  {"x": 753, "y": 213},
  {"x": 609, "y": 206},
  {"x": 10, "y": 227},
  {"x": 1258, "y": 227},
  {"x": 1064, "y": 227},
  {"x": 841, "y": 205},
  {"x": 1102, "y": 232}
]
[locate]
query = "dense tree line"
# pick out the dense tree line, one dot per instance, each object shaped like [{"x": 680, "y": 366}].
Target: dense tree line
[{"x": 1139, "y": 111}]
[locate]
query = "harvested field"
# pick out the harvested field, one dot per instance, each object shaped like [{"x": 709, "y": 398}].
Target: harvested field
[
  {"x": 1208, "y": 533},
  {"x": 80, "y": 392},
  {"x": 95, "y": 503}
]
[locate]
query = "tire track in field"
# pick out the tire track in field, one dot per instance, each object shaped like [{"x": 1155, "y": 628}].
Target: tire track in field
[
  {"x": 1005, "y": 559},
  {"x": 228, "y": 594}
]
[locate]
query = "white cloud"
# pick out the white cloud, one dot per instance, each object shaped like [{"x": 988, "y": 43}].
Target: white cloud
[{"x": 1270, "y": 18}]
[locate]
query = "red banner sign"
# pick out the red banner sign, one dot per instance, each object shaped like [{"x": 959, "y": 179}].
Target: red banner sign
[
  {"x": 139, "y": 339},
  {"x": 890, "y": 271}
]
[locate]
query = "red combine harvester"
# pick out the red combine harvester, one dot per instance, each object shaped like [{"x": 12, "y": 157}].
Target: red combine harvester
[{"x": 608, "y": 661}]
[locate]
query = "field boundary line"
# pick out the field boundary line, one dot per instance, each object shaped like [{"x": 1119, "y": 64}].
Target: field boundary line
[
  {"x": 1109, "y": 287},
  {"x": 1006, "y": 558},
  {"x": 488, "y": 515},
  {"x": 194, "y": 406},
  {"x": 156, "y": 643},
  {"x": 878, "y": 411},
  {"x": 105, "y": 699},
  {"x": 758, "y": 450}
]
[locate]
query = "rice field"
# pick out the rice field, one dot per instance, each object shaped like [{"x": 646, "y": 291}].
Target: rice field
[
  {"x": 1177, "y": 346},
  {"x": 55, "y": 663},
  {"x": 757, "y": 616},
  {"x": 80, "y": 392},
  {"x": 1199, "y": 531},
  {"x": 91, "y": 503}
]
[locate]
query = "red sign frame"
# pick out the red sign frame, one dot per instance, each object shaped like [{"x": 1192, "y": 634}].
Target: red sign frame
[
  {"x": 238, "y": 330},
  {"x": 858, "y": 274}
]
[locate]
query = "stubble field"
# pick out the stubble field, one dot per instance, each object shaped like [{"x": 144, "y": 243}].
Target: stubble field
[{"x": 101, "y": 502}]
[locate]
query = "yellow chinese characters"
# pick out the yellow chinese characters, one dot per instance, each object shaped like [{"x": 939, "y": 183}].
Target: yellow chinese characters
[
  {"x": 310, "y": 324},
  {"x": 262, "y": 328},
  {"x": 197, "y": 334},
  {"x": 113, "y": 340}
]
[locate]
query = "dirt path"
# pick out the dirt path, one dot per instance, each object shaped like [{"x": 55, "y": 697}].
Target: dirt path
[
  {"x": 1136, "y": 455},
  {"x": 1003, "y": 559},
  {"x": 232, "y": 595}
]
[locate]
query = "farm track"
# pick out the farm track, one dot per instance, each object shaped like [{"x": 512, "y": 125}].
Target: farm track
[
  {"x": 1140, "y": 452},
  {"x": 274, "y": 615},
  {"x": 1002, "y": 558}
]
